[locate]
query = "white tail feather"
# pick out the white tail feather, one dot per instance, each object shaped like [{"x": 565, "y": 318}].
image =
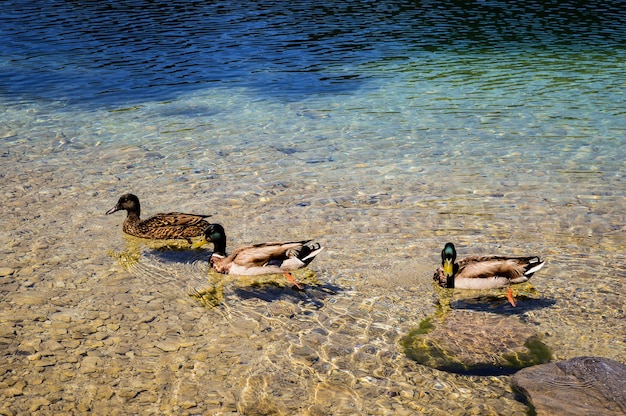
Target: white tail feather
[
  {"x": 312, "y": 254},
  {"x": 534, "y": 269}
]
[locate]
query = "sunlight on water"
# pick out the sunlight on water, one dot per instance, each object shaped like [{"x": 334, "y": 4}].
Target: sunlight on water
[{"x": 500, "y": 143}]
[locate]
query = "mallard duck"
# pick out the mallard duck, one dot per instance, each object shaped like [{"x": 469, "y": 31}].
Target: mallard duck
[
  {"x": 258, "y": 259},
  {"x": 171, "y": 225},
  {"x": 485, "y": 272}
]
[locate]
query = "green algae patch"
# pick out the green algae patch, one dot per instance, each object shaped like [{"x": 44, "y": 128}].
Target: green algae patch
[
  {"x": 131, "y": 255},
  {"x": 219, "y": 286},
  {"x": 538, "y": 353},
  {"x": 425, "y": 326}
]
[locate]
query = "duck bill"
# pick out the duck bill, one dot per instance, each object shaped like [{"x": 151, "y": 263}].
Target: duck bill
[
  {"x": 199, "y": 243},
  {"x": 448, "y": 271},
  {"x": 112, "y": 210},
  {"x": 448, "y": 267}
]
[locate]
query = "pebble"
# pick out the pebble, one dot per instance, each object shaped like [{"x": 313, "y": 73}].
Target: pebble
[
  {"x": 90, "y": 336},
  {"x": 127, "y": 392},
  {"x": 91, "y": 364},
  {"x": 7, "y": 331},
  {"x": 30, "y": 298},
  {"x": 6, "y": 271},
  {"x": 15, "y": 390},
  {"x": 82, "y": 330},
  {"x": 104, "y": 392},
  {"x": 37, "y": 402},
  {"x": 51, "y": 345},
  {"x": 168, "y": 345},
  {"x": 61, "y": 317}
]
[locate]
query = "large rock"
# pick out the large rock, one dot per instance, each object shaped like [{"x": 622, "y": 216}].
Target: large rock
[
  {"x": 580, "y": 386},
  {"x": 479, "y": 343}
]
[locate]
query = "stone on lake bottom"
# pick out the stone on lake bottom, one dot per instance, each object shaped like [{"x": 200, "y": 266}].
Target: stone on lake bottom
[
  {"x": 6, "y": 271},
  {"x": 579, "y": 386},
  {"x": 479, "y": 343}
]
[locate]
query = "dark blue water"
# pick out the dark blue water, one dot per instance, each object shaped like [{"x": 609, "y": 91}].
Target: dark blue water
[{"x": 109, "y": 53}]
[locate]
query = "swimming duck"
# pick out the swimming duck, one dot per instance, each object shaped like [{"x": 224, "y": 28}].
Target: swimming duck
[
  {"x": 258, "y": 259},
  {"x": 171, "y": 225},
  {"x": 485, "y": 272}
]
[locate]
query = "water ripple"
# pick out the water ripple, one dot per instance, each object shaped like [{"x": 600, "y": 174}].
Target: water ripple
[{"x": 107, "y": 52}]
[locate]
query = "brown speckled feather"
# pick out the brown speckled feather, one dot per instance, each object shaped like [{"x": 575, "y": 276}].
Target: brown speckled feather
[{"x": 171, "y": 225}]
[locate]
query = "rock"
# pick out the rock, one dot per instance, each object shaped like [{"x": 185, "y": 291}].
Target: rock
[
  {"x": 16, "y": 389},
  {"x": 91, "y": 364},
  {"x": 6, "y": 271},
  {"x": 29, "y": 298},
  {"x": 579, "y": 386},
  {"x": 61, "y": 317},
  {"x": 104, "y": 392},
  {"x": 52, "y": 345},
  {"x": 479, "y": 343},
  {"x": 82, "y": 330},
  {"x": 168, "y": 345},
  {"x": 37, "y": 402},
  {"x": 7, "y": 331}
]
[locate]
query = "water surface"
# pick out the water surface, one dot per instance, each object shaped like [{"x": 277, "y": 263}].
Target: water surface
[{"x": 381, "y": 130}]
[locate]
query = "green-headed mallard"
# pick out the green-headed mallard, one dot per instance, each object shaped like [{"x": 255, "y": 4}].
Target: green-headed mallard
[
  {"x": 171, "y": 225},
  {"x": 485, "y": 272},
  {"x": 258, "y": 259}
]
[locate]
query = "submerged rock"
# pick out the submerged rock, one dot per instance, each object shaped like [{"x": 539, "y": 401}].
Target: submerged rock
[
  {"x": 475, "y": 343},
  {"x": 6, "y": 271},
  {"x": 580, "y": 386}
]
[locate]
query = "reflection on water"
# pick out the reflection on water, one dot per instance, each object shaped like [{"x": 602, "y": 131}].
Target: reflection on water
[
  {"x": 381, "y": 130},
  {"x": 132, "y": 51}
]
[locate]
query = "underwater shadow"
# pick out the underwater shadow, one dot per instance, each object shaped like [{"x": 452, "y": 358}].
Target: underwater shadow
[
  {"x": 481, "y": 371},
  {"x": 178, "y": 255},
  {"x": 497, "y": 305},
  {"x": 266, "y": 288},
  {"x": 312, "y": 295}
]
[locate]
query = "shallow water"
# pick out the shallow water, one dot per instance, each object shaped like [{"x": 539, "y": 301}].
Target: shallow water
[{"x": 381, "y": 131}]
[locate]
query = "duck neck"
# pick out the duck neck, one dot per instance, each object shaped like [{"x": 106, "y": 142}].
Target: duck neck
[
  {"x": 450, "y": 281},
  {"x": 219, "y": 246},
  {"x": 132, "y": 216}
]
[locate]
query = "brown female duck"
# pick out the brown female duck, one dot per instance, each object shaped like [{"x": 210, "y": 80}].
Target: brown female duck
[
  {"x": 171, "y": 225},
  {"x": 258, "y": 259},
  {"x": 485, "y": 272}
]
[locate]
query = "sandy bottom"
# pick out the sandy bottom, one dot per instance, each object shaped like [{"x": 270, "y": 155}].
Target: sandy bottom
[{"x": 91, "y": 320}]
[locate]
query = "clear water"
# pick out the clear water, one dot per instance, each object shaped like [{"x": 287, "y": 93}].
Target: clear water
[{"x": 381, "y": 129}]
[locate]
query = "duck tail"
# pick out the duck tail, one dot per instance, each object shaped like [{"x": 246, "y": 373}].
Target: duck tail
[
  {"x": 534, "y": 265},
  {"x": 309, "y": 251}
]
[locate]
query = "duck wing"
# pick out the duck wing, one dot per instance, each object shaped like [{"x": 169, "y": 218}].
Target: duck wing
[
  {"x": 175, "y": 219},
  {"x": 259, "y": 255},
  {"x": 510, "y": 268}
]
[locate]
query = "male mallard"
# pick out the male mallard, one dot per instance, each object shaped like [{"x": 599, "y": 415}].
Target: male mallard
[
  {"x": 171, "y": 225},
  {"x": 485, "y": 272},
  {"x": 258, "y": 259}
]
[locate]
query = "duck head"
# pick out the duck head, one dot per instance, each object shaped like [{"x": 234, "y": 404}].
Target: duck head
[
  {"x": 448, "y": 256},
  {"x": 127, "y": 202},
  {"x": 215, "y": 234}
]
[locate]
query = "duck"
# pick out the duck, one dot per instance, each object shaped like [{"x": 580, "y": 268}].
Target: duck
[
  {"x": 164, "y": 226},
  {"x": 485, "y": 272},
  {"x": 258, "y": 259}
]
